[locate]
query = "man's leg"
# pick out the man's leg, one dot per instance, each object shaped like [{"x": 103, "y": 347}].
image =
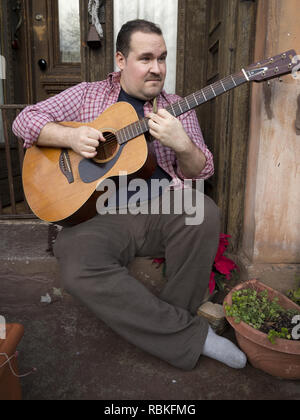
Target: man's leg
[
  {"x": 190, "y": 252},
  {"x": 93, "y": 257}
]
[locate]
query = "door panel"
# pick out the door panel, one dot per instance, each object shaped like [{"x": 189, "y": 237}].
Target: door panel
[{"x": 54, "y": 67}]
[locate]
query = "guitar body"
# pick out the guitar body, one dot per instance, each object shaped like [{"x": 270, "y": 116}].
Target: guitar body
[{"x": 54, "y": 197}]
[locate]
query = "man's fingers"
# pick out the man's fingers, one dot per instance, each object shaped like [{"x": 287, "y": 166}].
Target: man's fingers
[
  {"x": 154, "y": 118},
  {"x": 92, "y": 133},
  {"x": 98, "y": 135},
  {"x": 153, "y": 125},
  {"x": 88, "y": 155},
  {"x": 163, "y": 113},
  {"x": 89, "y": 149},
  {"x": 92, "y": 143}
]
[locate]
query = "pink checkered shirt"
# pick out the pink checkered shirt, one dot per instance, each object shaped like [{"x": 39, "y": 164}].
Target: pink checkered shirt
[{"x": 86, "y": 101}]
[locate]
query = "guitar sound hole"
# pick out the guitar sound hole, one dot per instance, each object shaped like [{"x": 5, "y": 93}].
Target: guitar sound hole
[{"x": 107, "y": 150}]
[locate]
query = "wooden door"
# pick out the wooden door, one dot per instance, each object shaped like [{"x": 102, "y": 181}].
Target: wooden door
[
  {"x": 58, "y": 53},
  {"x": 215, "y": 39},
  {"x": 230, "y": 47},
  {"x": 34, "y": 30}
]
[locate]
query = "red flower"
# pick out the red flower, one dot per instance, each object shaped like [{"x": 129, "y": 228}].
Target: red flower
[
  {"x": 222, "y": 265},
  {"x": 158, "y": 261}
]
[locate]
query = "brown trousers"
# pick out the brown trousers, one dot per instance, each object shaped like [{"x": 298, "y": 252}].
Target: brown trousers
[{"x": 93, "y": 259}]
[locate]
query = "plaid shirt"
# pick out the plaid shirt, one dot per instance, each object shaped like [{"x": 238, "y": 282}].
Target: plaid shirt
[{"x": 86, "y": 101}]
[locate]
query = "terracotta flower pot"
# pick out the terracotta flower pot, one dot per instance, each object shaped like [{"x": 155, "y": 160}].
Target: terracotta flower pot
[
  {"x": 281, "y": 359},
  {"x": 10, "y": 388}
]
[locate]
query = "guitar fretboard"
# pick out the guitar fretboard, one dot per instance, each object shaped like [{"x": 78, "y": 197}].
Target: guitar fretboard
[{"x": 186, "y": 104}]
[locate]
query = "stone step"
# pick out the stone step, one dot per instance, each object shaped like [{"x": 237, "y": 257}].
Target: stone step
[{"x": 25, "y": 249}]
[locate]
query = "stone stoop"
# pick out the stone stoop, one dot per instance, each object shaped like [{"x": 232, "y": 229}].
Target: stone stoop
[{"x": 26, "y": 250}]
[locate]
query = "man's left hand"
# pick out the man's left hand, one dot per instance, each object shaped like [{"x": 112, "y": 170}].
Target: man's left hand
[{"x": 169, "y": 131}]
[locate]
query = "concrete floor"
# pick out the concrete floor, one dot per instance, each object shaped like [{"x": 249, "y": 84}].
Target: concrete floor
[{"x": 78, "y": 358}]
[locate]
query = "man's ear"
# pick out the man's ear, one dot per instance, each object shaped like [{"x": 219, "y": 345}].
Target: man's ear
[{"x": 120, "y": 60}]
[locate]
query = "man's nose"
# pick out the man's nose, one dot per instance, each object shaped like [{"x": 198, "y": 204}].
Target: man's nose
[{"x": 155, "y": 67}]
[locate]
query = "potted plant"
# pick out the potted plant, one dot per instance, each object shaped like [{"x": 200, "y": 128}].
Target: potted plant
[{"x": 267, "y": 328}]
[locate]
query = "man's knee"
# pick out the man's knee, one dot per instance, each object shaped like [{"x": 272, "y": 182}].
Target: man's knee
[
  {"x": 211, "y": 211},
  {"x": 209, "y": 227},
  {"x": 70, "y": 273},
  {"x": 206, "y": 216},
  {"x": 69, "y": 254}
]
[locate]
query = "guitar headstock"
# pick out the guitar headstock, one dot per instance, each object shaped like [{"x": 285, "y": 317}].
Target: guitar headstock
[{"x": 273, "y": 67}]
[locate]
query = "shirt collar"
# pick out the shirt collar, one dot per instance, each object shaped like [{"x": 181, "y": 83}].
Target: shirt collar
[{"x": 114, "y": 79}]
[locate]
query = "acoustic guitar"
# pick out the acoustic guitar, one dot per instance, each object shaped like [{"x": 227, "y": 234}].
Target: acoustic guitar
[{"x": 61, "y": 186}]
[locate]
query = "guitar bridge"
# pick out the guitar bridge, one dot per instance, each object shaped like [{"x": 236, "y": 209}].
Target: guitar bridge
[{"x": 65, "y": 165}]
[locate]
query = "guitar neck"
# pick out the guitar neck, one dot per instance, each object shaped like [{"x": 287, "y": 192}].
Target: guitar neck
[
  {"x": 186, "y": 104},
  {"x": 208, "y": 93}
]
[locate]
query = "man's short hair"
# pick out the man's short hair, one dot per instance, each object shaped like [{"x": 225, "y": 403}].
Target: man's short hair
[{"x": 129, "y": 28}]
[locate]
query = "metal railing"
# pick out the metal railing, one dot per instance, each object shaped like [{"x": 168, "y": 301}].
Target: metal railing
[{"x": 13, "y": 204}]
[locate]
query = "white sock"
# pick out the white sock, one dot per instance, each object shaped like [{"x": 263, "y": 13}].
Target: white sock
[{"x": 223, "y": 350}]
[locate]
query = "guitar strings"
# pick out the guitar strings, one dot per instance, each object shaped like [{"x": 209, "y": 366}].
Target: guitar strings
[
  {"x": 111, "y": 138},
  {"x": 207, "y": 89}
]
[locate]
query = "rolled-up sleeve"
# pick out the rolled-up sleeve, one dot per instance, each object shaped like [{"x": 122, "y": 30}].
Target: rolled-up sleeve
[
  {"x": 62, "y": 107},
  {"x": 192, "y": 128}
]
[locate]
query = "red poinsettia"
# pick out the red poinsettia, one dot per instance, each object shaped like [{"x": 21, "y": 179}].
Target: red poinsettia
[{"x": 223, "y": 266}]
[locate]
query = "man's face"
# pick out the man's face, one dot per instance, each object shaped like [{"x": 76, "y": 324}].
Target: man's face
[{"x": 143, "y": 72}]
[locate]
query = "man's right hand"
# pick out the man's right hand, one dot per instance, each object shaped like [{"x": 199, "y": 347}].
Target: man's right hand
[{"x": 84, "y": 140}]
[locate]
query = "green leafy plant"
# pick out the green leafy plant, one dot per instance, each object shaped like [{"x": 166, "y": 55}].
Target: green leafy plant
[
  {"x": 258, "y": 310},
  {"x": 284, "y": 333},
  {"x": 294, "y": 295}
]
